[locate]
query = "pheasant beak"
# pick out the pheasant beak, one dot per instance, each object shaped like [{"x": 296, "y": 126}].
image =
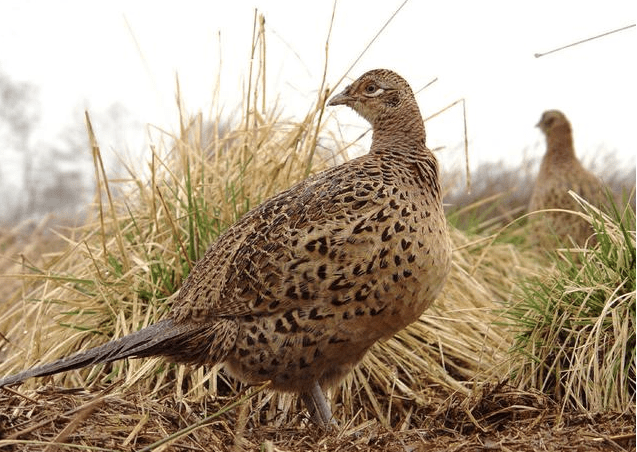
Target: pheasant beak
[{"x": 342, "y": 98}]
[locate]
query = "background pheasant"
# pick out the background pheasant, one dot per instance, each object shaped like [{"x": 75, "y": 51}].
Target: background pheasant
[
  {"x": 561, "y": 171},
  {"x": 303, "y": 285}
]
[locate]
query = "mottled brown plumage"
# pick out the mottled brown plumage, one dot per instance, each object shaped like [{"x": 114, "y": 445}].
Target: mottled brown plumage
[
  {"x": 303, "y": 285},
  {"x": 561, "y": 171}
]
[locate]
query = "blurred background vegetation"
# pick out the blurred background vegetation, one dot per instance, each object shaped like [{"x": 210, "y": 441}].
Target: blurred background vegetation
[{"x": 39, "y": 178}]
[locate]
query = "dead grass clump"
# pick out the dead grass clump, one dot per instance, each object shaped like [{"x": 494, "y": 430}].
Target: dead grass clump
[{"x": 575, "y": 324}]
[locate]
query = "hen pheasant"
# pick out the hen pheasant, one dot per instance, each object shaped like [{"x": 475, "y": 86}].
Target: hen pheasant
[
  {"x": 303, "y": 285},
  {"x": 561, "y": 171}
]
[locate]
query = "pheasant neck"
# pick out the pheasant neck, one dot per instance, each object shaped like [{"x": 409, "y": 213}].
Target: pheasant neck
[
  {"x": 406, "y": 143},
  {"x": 559, "y": 146},
  {"x": 399, "y": 133}
]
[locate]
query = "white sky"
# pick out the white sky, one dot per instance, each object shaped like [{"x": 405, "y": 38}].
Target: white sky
[{"x": 85, "y": 54}]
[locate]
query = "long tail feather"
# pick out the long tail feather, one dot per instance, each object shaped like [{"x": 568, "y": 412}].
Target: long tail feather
[{"x": 156, "y": 339}]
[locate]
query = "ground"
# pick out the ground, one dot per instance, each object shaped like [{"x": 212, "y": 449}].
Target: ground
[{"x": 500, "y": 418}]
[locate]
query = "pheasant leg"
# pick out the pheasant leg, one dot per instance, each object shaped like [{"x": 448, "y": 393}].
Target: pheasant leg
[{"x": 319, "y": 408}]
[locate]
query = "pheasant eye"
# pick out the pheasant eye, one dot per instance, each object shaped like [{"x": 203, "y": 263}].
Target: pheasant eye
[{"x": 370, "y": 88}]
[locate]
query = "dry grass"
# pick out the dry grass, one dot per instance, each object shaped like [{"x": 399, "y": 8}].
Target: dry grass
[
  {"x": 575, "y": 327},
  {"x": 437, "y": 385}
]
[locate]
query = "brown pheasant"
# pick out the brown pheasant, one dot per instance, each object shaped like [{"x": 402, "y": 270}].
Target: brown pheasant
[
  {"x": 561, "y": 171},
  {"x": 303, "y": 285}
]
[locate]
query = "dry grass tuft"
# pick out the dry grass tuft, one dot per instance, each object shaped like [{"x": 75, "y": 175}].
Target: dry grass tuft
[{"x": 575, "y": 325}]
